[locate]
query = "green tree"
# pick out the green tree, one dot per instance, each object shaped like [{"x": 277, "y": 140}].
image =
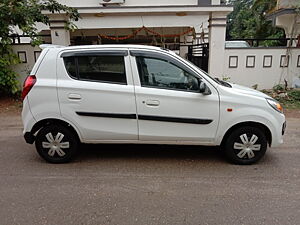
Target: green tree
[
  {"x": 248, "y": 20},
  {"x": 24, "y": 14}
]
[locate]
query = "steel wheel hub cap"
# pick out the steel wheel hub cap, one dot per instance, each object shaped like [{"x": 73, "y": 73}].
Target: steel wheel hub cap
[
  {"x": 247, "y": 147},
  {"x": 55, "y": 145}
]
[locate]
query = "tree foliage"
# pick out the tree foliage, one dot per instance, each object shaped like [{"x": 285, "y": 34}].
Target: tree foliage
[
  {"x": 24, "y": 14},
  {"x": 248, "y": 20}
]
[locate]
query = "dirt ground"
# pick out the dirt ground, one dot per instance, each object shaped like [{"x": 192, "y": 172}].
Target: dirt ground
[{"x": 10, "y": 106}]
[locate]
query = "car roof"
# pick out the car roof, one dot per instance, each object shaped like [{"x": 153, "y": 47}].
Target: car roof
[{"x": 99, "y": 47}]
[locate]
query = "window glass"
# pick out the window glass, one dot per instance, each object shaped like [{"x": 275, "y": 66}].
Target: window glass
[
  {"x": 70, "y": 66},
  {"x": 162, "y": 74},
  {"x": 102, "y": 68}
]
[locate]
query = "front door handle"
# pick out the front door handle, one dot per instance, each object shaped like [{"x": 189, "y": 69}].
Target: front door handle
[
  {"x": 74, "y": 96},
  {"x": 152, "y": 103}
]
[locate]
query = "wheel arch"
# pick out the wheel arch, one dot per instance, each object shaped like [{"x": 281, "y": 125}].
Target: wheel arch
[
  {"x": 44, "y": 122},
  {"x": 261, "y": 126}
]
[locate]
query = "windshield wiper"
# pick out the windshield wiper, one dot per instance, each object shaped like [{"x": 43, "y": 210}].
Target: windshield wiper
[{"x": 222, "y": 82}]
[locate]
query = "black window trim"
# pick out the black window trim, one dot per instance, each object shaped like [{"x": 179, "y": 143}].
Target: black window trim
[
  {"x": 95, "y": 53},
  {"x": 156, "y": 55},
  {"x": 162, "y": 57},
  {"x": 90, "y": 80},
  {"x": 102, "y": 82},
  {"x": 171, "y": 89}
]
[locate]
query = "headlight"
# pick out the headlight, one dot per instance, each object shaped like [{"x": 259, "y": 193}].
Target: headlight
[{"x": 275, "y": 105}]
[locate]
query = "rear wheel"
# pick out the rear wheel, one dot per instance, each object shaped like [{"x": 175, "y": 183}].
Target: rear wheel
[
  {"x": 246, "y": 145},
  {"x": 56, "y": 144}
]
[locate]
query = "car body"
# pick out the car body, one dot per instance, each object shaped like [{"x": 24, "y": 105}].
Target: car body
[{"x": 143, "y": 95}]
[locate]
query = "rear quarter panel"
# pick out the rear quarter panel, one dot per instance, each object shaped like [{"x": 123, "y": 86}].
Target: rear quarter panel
[{"x": 43, "y": 98}]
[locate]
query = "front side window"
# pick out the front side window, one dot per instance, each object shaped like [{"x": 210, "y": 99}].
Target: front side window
[
  {"x": 109, "y": 69},
  {"x": 160, "y": 73}
]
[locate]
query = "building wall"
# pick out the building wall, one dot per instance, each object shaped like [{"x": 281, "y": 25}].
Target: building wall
[
  {"x": 263, "y": 75},
  {"x": 283, "y": 4},
  {"x": 134, "y": 21},
  {"x": 31, "y": 54},
  {"x": 257, "y": 73}
]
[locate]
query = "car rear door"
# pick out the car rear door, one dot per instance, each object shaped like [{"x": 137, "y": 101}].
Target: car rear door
[
  {"x": 169, "y": 105},
  {"x": 96, "y": 93}
]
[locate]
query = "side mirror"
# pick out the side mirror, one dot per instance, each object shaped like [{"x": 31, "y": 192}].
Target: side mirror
[{"x": 204, "y": 89}]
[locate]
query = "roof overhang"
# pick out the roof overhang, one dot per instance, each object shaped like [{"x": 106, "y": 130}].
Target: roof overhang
[
  {"x": 272, "y": 16},
  {"x": 152, "y": 9}
]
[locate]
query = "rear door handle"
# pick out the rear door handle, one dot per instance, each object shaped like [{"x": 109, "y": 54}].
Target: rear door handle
[
  {"x": 74, "y": 96},
  {"x": 152, "y": 103}
]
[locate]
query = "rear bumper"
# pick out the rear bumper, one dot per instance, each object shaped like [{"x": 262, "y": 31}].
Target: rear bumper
[
  {"x": 28, "y": 122},
  {"x": 29, "y": 137}
]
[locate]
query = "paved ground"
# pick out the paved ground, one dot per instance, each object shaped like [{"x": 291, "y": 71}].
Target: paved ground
[{"x": 147, "y": 184}]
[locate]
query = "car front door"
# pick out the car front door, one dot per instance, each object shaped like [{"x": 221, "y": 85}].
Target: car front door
[
  {"x": 96, "y": 94},
  {"x": 170, "y": 107}
]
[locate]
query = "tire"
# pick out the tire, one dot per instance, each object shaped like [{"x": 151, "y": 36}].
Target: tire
[
  {"x": 56, "y": 144},
  {"x": 246, "y": 145}
]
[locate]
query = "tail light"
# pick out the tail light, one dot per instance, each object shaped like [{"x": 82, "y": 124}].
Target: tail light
[{"x": 28, "y": 84}]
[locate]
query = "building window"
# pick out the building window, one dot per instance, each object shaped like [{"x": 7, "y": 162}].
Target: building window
[
  {"x": 250, "y": 61},
  {"x": 233, "y": 61},
  {"x": 267, "y": 63},
  {"x": 36, "y": 55},
  {"x": 284, "y": 61},
  {"x": 298, "y": 61},
  {"x": 22, "y": 56}
]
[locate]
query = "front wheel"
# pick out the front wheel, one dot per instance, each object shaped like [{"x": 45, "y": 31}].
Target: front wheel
[
  {"x": 246, "y": 145},
  {"x": 56, "y": 144}
]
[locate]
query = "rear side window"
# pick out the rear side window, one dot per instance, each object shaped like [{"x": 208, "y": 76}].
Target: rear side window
[
  {"x": 70, "y": 66},
  {"x": 103, "y": 68}
]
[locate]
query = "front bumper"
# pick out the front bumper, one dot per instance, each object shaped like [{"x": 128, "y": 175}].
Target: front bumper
[{"x": 283, "y": 128}]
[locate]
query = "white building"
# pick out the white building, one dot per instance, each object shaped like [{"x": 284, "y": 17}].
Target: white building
[
  {"x": 175, "y": 25},
  {"x": 266, "y": 67},
  {"x": 286, "y": 16},
  {"x": 198, "y": 21}
]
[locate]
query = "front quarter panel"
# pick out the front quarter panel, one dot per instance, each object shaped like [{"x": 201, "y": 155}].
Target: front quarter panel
[{"x": 238, "y": 108}]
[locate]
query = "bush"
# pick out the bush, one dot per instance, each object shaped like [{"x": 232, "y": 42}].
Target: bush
[
  {"x": 8, "y": 82},
  {"x": 294, "y": 94},
  {"x": 279, "y": 87},
  {"x": 24, "y": 14}
]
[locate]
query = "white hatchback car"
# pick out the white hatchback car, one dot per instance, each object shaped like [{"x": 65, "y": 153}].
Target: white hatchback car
[{"x": 142, "y": 95}]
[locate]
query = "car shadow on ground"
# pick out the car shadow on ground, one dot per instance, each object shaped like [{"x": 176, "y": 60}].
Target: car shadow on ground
[{"x": 142, "y": 151}]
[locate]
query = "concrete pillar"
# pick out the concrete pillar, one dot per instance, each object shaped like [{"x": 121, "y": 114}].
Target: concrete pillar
[
  {"x": 59, "y": 35},
  {"x": 217, "y": 35},
  {"x": 291, "y": 25}
]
